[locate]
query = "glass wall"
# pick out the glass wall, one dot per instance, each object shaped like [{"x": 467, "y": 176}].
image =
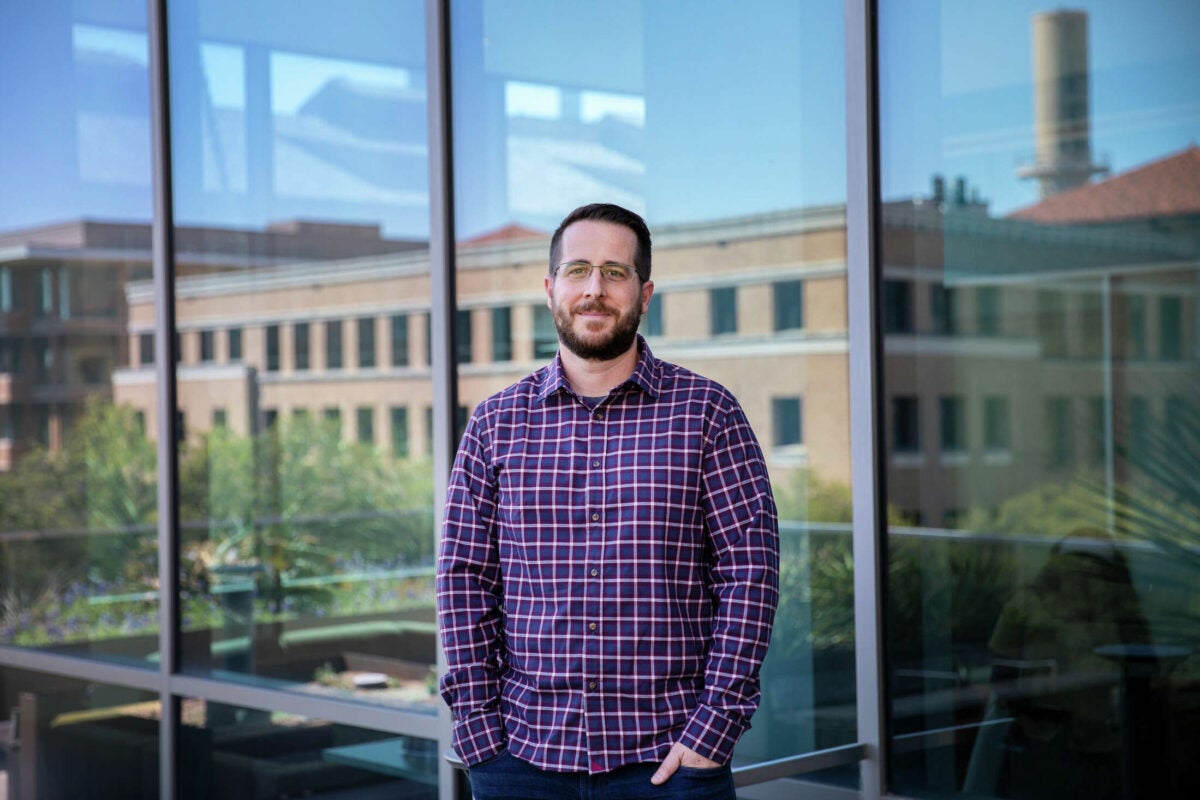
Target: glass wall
[
  {"x": 725, "y": 130},
  {"x": 78, "y": 561},
  {"x": 1040, "y": 267},
  {"x": 301, "y": 232}
]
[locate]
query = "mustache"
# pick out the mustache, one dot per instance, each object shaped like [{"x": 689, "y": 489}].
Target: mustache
[{"x": 590, "y": 307}]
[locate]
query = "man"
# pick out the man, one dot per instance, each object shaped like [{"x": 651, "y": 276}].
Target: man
[{"x": 608, "y": 573}]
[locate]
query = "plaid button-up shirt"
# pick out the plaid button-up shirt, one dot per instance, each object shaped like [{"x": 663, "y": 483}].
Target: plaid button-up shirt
[{"x": 608, "y": 576}]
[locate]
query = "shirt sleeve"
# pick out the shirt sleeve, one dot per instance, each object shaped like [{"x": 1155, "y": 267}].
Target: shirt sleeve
[
  {"x": 744, "y": 533},
  {"x": 469, "y": 603}
]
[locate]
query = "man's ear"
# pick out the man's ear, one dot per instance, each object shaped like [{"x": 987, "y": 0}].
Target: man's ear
[
  {"x": 548, "y": 282},
  {"x": 647, "y": 293}
]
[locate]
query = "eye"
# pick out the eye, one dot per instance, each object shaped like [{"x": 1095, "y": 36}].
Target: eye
[
  {"x": 615, "y": 273},
  {"x": 577, "y": 272}
]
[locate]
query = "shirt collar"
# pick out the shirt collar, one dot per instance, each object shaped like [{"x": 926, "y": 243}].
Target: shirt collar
[{"x": 647, "y": 374}]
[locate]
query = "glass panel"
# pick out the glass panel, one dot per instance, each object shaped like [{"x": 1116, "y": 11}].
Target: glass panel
[
  {"x": 78, "y": 567},
  {"x": 1043, "y": 535},
  {"x": 62, "y": 738},
  {"x": 229, "y": 751},
  {"x": 301, "y": 200},
  {"x": 748, "y": 223}
]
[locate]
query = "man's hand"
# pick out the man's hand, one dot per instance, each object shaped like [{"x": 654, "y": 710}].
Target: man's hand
[{"x": 681, "y": 756}]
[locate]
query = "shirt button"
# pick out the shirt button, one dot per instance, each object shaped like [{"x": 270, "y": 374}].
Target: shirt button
[
  {"x": 599, "y": 415},
  {"x": 591, "y": 626},
  {"x": 596, "y": 463},
  {"x": 595, "y": 517},
  {"x": 595, "y": 572},
  {"x": 591, "y": 684}
]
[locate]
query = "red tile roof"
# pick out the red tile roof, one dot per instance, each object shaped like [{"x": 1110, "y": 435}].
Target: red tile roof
[
  {"x": 508, "y": 233},
  {"x": 1167, "y": 187}
]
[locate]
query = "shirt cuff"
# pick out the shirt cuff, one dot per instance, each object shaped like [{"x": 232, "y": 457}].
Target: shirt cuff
[
  {"x": 712, "y": 734},
  {"x": 479, "y": 736}
]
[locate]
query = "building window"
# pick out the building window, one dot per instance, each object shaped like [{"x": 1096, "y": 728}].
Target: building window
[
  {"x": 219, "y": 419},
  {"x": 366, "y": 424},
  {"x": 1139, "y": 427},
  {"x": 1091, "y": 324},
  {"x": 6, "y": 290},
  {"x": 10, "y": 356},
  {"x": 545, "y": 335},
  {"x": 952, "y": 417},
  {"x": 943, "y": 308},
  {"x": 789, "y": 305},
  {"x": 400, "y": 340},
  {"x": 1060, "y": 435},
  {"x": 366, "y": 342},
  {"x": 723, "y": 310},
  {"x": 462, "y": 336},
  {"x": 502, "y": 349},
  {"x": 300, "y": 345},
  {"x": 43, "y": 359},
  {"x": 333, "y": 416},
  {"x": 897, "y": 306},
  {"x": 1097, "y": 430},
  {"x": 399, "y": 416},
  {"x": 145, "y": 349},
  {"x": 45, "y": 305},
  {"x": 1170, "y": 328},
  {"x": 906, "y": 425},
  {"x": 333, "y": 344},
  {"x": 272, "y": 346},
  {"x": 652, "y": 320},
  {"x": 987, "y": 309},
  {"x": 997, "y": 427},
  {"x": 235, "y": 344},
  {"x": 207, "y": 346},
  {"x": 1049, "y": 322},
  {"x": 787, "y": 421},
  {"x": 1136, "y": 335}
]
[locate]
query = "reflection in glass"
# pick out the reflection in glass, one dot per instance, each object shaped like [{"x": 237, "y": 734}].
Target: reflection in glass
[
  {"x": 1042, "y": 597},
  {"x": 301, "y": 230},
  {"x": 749, "y": 256},
  {"x": 78, "y": 567},
  {"x": 62, "y": 738},
  {"x": 229, "y": 751}
]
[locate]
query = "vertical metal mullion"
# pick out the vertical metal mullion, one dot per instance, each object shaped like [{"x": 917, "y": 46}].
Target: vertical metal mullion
[
  {"x": 163, "y": 261},
  {"x": 442, "y": 300},
  {"x": 866, "y": 389}
]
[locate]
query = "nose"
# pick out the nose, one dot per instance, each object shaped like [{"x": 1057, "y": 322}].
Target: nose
[{"x": 594, "y": 286}]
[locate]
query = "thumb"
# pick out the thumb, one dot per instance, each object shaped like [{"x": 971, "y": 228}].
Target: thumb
[{"x": 668, "y": 766}]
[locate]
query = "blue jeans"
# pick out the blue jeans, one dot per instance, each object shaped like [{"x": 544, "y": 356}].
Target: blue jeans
[{"x": 507, "y": 777}]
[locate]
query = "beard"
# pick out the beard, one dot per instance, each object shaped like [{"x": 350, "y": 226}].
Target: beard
[{"x": 613, "y": 344}]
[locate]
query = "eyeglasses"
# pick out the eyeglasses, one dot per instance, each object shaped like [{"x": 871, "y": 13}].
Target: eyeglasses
[{"x": 581, "y": 272}]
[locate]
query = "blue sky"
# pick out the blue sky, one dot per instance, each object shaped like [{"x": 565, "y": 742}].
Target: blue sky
[{"x": 725, "y": 108}]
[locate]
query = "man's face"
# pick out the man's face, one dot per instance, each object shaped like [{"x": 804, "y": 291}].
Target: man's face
[{"x": 597, "y": 319}]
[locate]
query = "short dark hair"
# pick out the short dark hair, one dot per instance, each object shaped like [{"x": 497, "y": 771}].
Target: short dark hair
[{"x": 607, "y": 212}]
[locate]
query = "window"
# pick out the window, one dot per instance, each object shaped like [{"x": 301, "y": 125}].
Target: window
[
  {"x": 1136, "y": 335},
  {"x": 789, "y": 305},
  {"x": 997, "y": 426},
  {"x": 366, "y": 342},
  {"x": 272, "y": 346},
  {"x": 333, "y": 415},
  {"x": 300, "y": 345},
  {"x": 1091, "y": 324},
  {"x": 787, "y": 422},
  {"x": 906, "y": 430},
  {"x": 10, "y": 355},
  {"x": 219, "y": 419},
  {"x": 333, "y": 344},
  {"x": 235, "y": 344},
  {"x": 1097, "y": 430},
  {"x": 1170, "y": 328},
  {"x": 987, "y": 307},
  {"x": 652, "y": 320},
  {"x": 723, "y": 310},
  {"x": 943, "y": 309},
  {"x": 897, "y": 306},
  {"x": 366, "y": 424},
  {"x": 6, "y": 290},
  {"x": 462, "y": 336},
  {"x": 1050, "y": 322},
  {"x": 1139, "y": 427},
  {"x": 1060, "y": 434},
  {"x": 207, "y": 346},
  {"x": 399, "y": 416},
  {"x": 399, "y": 340},
  {"x": 952, "y": 418},
  {"x": 43, "y": 359},
  {"x": 45, "y": 305},
  {"x": 502, "y": 349},
  {"x": 545, "y": 335},
  {"x": 145, "y": 349}
]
